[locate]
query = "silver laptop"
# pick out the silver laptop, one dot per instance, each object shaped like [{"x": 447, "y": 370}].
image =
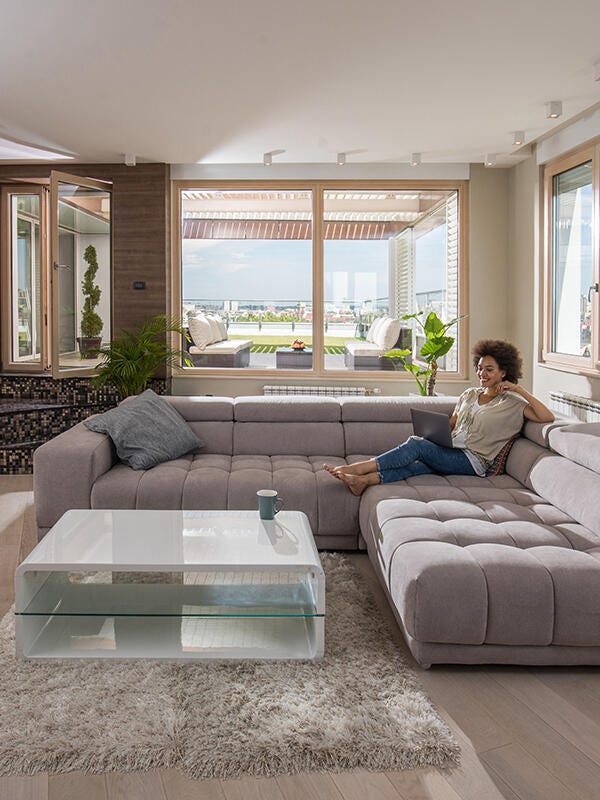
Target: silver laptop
[{"x": 432, "y": 425}]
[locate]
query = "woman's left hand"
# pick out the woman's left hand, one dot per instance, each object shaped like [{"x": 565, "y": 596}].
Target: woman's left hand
[{"x": 507, "y": 386}]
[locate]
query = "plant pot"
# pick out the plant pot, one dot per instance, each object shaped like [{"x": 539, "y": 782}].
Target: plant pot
[{"x": 89, "y": 345}]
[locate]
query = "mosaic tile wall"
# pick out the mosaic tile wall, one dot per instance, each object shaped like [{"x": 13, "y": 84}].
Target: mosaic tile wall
[{"x": 35, "y": 408}]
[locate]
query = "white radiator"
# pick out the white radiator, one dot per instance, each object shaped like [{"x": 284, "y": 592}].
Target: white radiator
[
  {"x": 571, "y": 405},
  {"x": 322, "y": 391}
]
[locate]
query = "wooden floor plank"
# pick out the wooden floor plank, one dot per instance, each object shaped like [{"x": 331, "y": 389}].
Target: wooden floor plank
[
  {"x": 524, "y": 775},
  {"x": 134, "y": 786},
  {"x": 581, "y": 690},
  {"x": 452, "y": 689},
  {"x": 559, "y": 756},
  {"x": 34, "y": 787},
  {"x": 77, "y": 786},
  {"x": 422, "y": 784},
  {"x": 572, "y": 724},
  {"x": 178, "y": 786},
  {"x": 252, "y": 789},
  {"x": 360, "y": 784},
  {"x": 470, "y": 779},
  {"x": 309, "y": 786}
]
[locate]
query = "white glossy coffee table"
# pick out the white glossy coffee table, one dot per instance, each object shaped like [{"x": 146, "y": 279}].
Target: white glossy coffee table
[{"x": 174, "y": 585}]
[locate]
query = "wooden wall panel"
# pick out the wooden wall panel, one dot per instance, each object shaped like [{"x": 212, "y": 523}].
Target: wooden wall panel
[{"x": 141, "y": 232}]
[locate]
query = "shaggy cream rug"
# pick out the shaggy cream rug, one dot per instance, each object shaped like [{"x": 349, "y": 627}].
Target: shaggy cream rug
[{"x": 360, "y": 706}]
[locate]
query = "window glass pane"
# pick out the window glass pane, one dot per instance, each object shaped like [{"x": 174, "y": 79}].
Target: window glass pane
[
  {"x": 25, "y": 278},
  {"x": 246, "y": 263},
  {"x": 386, "y": 254},
  {"x": 572, "y": 261}
]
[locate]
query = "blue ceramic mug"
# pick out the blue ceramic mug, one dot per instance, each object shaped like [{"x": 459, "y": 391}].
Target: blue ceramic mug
[{"x": 268, "y": 503}]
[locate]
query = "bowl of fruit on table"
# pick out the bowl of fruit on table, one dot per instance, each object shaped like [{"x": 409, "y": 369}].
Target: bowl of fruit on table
[{"x": 298, "y": 344}]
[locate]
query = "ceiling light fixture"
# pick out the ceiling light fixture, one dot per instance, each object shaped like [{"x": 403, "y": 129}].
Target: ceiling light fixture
[
  {"x": 415, "y": 159},
  {"x": 553, "y": 109},
  {"x": 268, "y": 156},
  {"x": 519, "y": 137},
  {"x": 129, "y": 159},
  {"x": 490, "y": 160},
  {"x": 341, "y": 159}
]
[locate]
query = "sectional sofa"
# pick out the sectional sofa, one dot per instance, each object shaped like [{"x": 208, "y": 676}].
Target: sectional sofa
[{"x": 502, "y": 569}]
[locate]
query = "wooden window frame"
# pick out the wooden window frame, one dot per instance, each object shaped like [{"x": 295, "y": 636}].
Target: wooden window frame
[
  {"x": 318, "y": 188},
  {"x": 564, "y": 361}
]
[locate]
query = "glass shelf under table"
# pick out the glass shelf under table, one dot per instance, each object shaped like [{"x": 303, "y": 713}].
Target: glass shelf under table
[{"x": 180, "y": 615}]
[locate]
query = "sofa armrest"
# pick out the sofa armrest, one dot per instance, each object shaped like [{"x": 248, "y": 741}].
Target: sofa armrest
[{"x": 64, "y": 471}]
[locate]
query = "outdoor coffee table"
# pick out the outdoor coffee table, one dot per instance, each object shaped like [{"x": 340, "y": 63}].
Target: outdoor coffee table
[
  {"x": 173, "y": 585},
  {"x": 290, "y": 358}
]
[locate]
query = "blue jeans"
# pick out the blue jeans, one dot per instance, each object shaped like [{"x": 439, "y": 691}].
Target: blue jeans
[{"x": 420, "y": 457}]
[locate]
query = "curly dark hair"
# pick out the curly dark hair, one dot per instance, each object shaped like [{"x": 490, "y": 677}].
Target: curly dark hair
[{"x": 505, "y": 354}]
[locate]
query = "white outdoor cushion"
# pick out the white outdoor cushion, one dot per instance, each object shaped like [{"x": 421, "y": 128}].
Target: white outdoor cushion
[
  {"x": 222, "y": 328},
  {"x": 358, "y": 348},
  {"x": 387, "y": 334},
  {"x": 215, "y": 329},
  {"x": 223, "y": 348},
  {"x": 200, "y": 331},
  {"x": 372, "y": 332}
]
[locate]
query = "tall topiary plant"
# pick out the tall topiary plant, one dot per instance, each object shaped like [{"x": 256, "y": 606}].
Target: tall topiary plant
[{"x": 91, "y": 322}]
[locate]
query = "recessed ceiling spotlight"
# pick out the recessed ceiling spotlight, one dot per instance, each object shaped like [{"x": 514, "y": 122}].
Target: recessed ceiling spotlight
[
  {"x": 553, "y": 109},
  {"x": 341, "y": 159},
  {"x": 129, "y": 159},
  {"x": 490, "y": 160},
  {"x": 415, "y": 159},
  {"x": 519, "y": 137},
  {"x": 268, "y": 156}
]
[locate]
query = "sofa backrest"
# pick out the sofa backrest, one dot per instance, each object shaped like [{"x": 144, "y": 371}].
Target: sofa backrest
[
  {"x": 373, "y": 425},
  {"x": 282, "y": 425},
  {"x": 211, "y": 419},
  {"x": 561, "y": 463}
]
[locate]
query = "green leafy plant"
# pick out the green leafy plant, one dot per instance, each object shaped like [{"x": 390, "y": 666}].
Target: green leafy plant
[
  {"x": 91, "y": 322},
  {"x": 129, "y": 361},
  {"x": 436, "y": 345}
]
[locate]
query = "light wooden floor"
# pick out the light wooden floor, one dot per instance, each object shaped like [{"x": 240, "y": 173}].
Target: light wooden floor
[{"x": 532, "y": 734}]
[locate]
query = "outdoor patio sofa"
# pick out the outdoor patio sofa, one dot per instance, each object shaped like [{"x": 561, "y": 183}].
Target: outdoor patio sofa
[
  {"x": 502, "y": 569},
  {"x": 384, "y": 334},
  {"x": 210, "y": 347}
]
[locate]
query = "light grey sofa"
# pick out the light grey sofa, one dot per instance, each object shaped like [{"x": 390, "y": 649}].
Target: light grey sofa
[{"x": 503, "y": 569}]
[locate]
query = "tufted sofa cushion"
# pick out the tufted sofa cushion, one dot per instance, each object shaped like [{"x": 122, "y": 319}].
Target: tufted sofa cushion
[{"x": 473, "y": 561}]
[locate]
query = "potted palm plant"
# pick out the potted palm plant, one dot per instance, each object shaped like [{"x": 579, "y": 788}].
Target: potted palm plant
[
  {"x": 91, "y": 322},
  {"x": 129, "y": 361},
  {"x": 437, "y": 344}
]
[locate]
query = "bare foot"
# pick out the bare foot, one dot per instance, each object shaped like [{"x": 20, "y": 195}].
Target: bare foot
[
  {"x": 356, "y": 483},
  {"x": 331, "y": 470},
  {"x": 346, "y": 469}
]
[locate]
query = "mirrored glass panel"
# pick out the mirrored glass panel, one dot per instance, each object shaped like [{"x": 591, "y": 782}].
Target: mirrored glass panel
[
  {"x": 83, "y": 270},
  {"x": 26, "y": 265},
  {"x": 572, "y": 261}
]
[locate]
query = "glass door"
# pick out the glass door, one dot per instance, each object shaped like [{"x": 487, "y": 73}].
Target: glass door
[
  {"x": 80, "y": 258},
  {"x": 24, "y": 292}
]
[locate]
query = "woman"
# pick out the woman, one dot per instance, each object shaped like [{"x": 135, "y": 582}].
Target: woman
[{"x": 483, "y": 421}]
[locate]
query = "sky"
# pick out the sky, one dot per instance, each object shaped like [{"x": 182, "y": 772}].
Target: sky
[{"x": 270, "y": 270}]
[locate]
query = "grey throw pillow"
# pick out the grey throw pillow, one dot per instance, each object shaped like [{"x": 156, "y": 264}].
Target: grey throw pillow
[{"x": 146, "y": 431}]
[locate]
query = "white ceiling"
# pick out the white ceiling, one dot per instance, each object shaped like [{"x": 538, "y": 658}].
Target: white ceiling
[{"x": 185, "y": 81}]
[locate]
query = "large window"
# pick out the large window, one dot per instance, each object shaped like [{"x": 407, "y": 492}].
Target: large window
[
  {"x": 572, "y": 268},
  {"x": 295, "y": 277}
]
